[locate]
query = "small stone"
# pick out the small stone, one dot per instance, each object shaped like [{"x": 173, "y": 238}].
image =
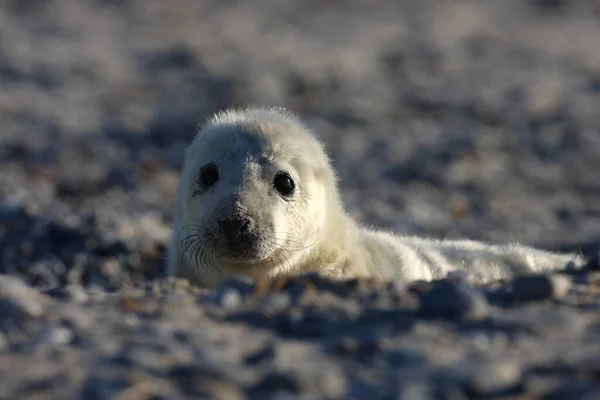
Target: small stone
[
  {"x": 179, "y": 283},
  {"x": 205, "y": 382},
  {"x": 276, "y": 382},
  {"x": 265, "y": 354},
  {"x": 396, "y": 287},
  {"x": 77, "y": 294},
  {"x": 72, "y": 292},
  {"x": 453, "y": 301},
  {"x": 18, "y": 300},
  {"x": 57, "y": 335},
  {"x": 3, "y": 342},
  {"x": 540, "y": 287},
  {"x": 230, "y": 298},
  {"x": 576, "y": 389},
  {"x": 571, "y": 267},
  {"x": 593, "y": 263},
  {"x": 231, "y": 292},
  {"x": 96, "y": 292},
  {"x": 494, "y": 377},
  {"x": 85, "y": 181},
  {"x": 242, "y": 284},
  {"x": 415, "y": 391},
  {"x": 277, "y": 302},
  {"x": 420, "y": 287}
]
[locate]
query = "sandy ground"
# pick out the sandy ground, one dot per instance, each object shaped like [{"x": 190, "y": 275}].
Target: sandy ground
[{"x": 460, "y": 118}]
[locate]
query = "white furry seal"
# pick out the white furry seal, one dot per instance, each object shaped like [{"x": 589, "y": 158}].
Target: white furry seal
[{"x": 259, "y": 197}]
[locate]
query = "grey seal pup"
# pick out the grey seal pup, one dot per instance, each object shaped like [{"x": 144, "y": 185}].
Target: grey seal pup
[{"x": 258, "y": 197}]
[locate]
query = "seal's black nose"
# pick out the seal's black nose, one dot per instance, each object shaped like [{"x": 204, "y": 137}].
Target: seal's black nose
[{"x": 235, "y": 228}]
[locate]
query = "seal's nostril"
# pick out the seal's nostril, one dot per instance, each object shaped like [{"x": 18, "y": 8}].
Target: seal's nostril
[
  {"x": 245, "y": 227},
  {"x": 236, "y": 226}
]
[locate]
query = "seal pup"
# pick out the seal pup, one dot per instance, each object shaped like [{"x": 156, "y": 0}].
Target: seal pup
[{"x": 258, "y": 197}]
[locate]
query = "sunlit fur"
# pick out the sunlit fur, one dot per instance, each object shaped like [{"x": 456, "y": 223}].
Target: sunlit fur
[{"x": 309, "y": 232}]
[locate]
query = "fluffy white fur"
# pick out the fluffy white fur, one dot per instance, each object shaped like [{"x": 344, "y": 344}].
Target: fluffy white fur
[{"x": 309, "y": 232}]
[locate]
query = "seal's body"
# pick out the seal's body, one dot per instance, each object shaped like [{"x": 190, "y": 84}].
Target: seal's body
[{"x": 258, "y": 197}]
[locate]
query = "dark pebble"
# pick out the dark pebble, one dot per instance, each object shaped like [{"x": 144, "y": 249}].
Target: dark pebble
[
  {"x": 80, "y": 182},
  {"x": 453, "y": 301},
  {"x": 72, "y": 292},
  {"x": 540, "y": 287},
  {"x": 576, "y": 389},
  {"x": 494, "y": 378},
  {"x": 275, "y": 382},
  {"x": 18, "y": 301},
  {"x": 205, "y": 381},
  {"x": 420, "y": 287},
  {"x": 266, "y": 354},
  {"x": 244, "y": 285},
  {"x": 593, "y": 263}
]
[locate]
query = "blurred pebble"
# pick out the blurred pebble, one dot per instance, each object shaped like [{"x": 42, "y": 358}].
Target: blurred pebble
[
  {"x": 265, "y": 354},
  {"x": 540, "y": 287},
  {"x": 72, "y": 292},
  {"x": 593, "y": 263},
  {"x": 277, "y": 302},
  {"x": 18, "y": 300},
  {"x": 576, "y": 389},
  {"x": 231, "y": 292},
  {"x": 415, "y": 391},
  {"x": 230, "y": 298},
  {"x": 55, "y": 335},
  {"x": 242, "y": 284},
  {"x": 96, "y": 292},
  {"x": 276, "y": 382},
  {"x": 205, "y": 382},
  {"x": 420, "y": 287},
  {"x": 82, "y": 181},
  {"x": 494, "y": 377},
  {"x": 453, "y": 301}
]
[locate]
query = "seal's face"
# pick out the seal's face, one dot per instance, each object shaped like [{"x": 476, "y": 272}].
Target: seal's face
[{"x": 253, "y": 198}]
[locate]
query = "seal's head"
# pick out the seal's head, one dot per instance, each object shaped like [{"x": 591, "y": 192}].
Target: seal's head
[{"x": 254, "y": 194}]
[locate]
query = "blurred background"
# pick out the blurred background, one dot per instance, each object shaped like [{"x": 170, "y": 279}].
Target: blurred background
[{"x": 460, "y": 118}]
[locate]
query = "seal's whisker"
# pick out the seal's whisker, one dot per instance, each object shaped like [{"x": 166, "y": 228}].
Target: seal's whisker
[{"x": 286, "y": 242}]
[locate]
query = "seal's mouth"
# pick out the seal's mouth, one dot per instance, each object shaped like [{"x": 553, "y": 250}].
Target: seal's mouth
[
  {"x": 252, "y": 255},
  {"x": 242, "y": 249},
  {"x": 245, "y": 260}
]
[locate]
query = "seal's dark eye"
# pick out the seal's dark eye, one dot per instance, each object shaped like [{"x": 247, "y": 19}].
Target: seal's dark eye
[
  {"x": 284, "y": 184},
  {"x": 209, "y": 175}
]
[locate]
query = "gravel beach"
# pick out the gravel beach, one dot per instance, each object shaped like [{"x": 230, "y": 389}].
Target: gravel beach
[{"x": 458, "y": 119}]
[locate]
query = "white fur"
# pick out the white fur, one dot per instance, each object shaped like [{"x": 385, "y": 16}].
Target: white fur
[{"x": 312, "y": 233}]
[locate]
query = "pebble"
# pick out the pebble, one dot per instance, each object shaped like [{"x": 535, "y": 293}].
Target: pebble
[
  {"x": 230, "y": 298},
  {"x": 231, "y": 292},
  {"x": 263, "y": 355},
  {"x": 276, "y": 382},
  {"x": 540, "y": 287},
  {"x": 242, "y": 284},
  {"x": 495, "y": 377},
  {"x": 277, "y": 302},
  {"x": 55, "y": 335},
  {"x": 453, "y": 301},
  {"x": 205, "y": 382},
  {"x": 72, "y": 292},
  {"x": 593, "y": 263},
  {"x": 18, "y": 300}
]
